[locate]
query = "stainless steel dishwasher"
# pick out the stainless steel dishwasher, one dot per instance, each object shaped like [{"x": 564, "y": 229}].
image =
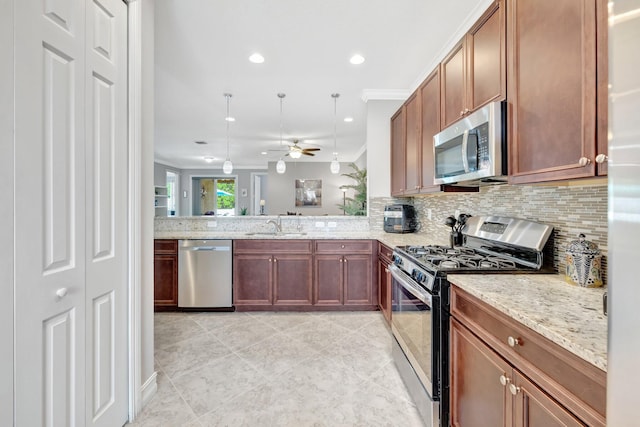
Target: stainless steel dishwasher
[{"x": 204, "y": 273}]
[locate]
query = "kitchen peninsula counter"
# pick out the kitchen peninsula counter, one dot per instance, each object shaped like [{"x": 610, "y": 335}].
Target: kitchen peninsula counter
[{"x": 568, "y": 315}]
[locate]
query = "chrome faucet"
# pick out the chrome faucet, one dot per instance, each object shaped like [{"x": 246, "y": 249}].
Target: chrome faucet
[{"x": 277, "y": 224}]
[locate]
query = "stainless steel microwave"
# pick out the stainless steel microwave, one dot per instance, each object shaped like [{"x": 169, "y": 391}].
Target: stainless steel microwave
[{"x": 472, "y": 151}]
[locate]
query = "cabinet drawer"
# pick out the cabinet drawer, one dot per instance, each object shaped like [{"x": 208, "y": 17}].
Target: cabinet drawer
[
  {"x": 161, "y": 246},
  {"x": 343, "y": 246},
  {"x": 384, "y": 252},
  {"x": 577, "y": 384},
  {"x": 272, "y": 246}
]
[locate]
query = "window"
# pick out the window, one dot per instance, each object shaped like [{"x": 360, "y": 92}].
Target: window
[{"x": 217, "y": 196}]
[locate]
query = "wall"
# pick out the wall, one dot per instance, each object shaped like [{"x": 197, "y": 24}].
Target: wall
[
  {"x": 569, "y": 209},
  {"x": 378, "y": 146},
  {"x": 6, "y": 213},
  {"x": 624, "y": 213}
]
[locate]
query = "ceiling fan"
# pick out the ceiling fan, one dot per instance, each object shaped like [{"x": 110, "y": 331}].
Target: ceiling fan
[{"x": 295, "y": 150}]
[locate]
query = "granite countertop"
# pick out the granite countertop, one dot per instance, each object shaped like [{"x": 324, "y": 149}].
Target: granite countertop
[{"x": 570, "y": 316}]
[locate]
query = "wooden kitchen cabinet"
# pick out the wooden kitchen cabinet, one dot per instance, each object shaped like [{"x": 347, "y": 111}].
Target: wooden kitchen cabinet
[
  {"x": 504, "y": 372},
  {"x": 474, "y": 72},
  {"x": 557, "y": 77},
  {"x": 398, "y": 175},
  {"x": 384, "y": 281},
  {"x": 273, "y": 273},
  {"x": 412, "y": 162},
  {"x": 430, "y": 126},
  {"x": 344, "y": 273},
  {"x": 165, "y": 275}
]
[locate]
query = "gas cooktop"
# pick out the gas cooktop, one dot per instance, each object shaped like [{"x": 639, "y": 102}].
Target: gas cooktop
[{"x": 459, "y": 258}]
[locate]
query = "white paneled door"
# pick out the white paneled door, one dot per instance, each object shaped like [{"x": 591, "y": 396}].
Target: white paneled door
[{"x": 70, "y": 213}]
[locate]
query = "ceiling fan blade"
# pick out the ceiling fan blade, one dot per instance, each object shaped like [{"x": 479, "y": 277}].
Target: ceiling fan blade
[
  {"x": 310, "y": 149},
  {"x": 308, "y": 154}
]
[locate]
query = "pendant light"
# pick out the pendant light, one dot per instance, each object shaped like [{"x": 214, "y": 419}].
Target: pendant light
[
  {"x": 335, "y": 164},
  {"x": 227, "y": 166},
  {"x": 281, "y": 166}
]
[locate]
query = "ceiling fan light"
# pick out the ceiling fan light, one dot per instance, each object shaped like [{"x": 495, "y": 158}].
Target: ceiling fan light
[
  {"x": 295, "y": 154},
  {"x": 227, "y": 167},
  {"x": 335, "y": 166},
  {"x": 281, "y": 166}
]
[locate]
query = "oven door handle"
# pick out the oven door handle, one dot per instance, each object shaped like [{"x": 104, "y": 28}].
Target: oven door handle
[{"x": 408, "y": 283}]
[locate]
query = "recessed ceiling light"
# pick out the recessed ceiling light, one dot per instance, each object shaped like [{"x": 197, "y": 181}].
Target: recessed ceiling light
[
  {"x": 264, "y": 153},
  {"x": 209, "y": 159},
  {"x": 201, "y": 142},
  {"x": 230, "y": 119},
  {"x": 256, "y": 58},
  {"x": 348, "y": 119},
  {"x": 357, "y": 59}
]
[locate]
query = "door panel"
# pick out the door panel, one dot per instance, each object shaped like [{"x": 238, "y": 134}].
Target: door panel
[
  {"x": 106, "y": 212},
  {"x": 49, "y": 220}
]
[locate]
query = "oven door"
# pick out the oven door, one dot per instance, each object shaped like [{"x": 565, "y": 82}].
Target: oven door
[{"x": 414, "y": 323}]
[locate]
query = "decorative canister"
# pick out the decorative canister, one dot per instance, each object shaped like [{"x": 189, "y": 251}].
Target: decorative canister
[{"x": 584, "y": 263}]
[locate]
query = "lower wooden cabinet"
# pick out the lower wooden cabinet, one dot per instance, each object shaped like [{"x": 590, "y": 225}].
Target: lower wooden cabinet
[
  {"x": 303, "y": 275},
  {"x": 165, "y": 275},
  {"x": 384, "y": 281},
  {"x": 505, "y": 374},
  {"x": 487, "y": 391}
]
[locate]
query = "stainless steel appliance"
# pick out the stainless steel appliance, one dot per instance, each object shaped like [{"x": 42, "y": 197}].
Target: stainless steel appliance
[
  {"x": 204, "y": 274},
  {"x": 420, "y": 312},
  {"x": 473, "y": 150},
  {"x": 400, "y": 218}
]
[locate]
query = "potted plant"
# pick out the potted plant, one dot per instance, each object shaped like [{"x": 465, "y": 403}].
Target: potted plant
[{"x": 356, "y": 205}]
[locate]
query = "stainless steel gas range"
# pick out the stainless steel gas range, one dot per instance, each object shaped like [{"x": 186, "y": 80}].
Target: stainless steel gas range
[{"x": 420, "y": 292}]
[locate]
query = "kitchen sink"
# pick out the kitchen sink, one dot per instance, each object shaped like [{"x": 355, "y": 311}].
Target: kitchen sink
[{"x": 276, "y": 233}]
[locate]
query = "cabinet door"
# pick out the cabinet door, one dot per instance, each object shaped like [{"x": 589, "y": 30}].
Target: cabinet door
[
  {"x": 477, "y": 397},
  {"x": 412, "y": 145},
  {"x": 397, "y": 153},
  {"x": 384, "y": 289},
  {"x": 165, "y": 280},
  {"x": 534, "y": 408},
  {"x": 453, "y": 85},
  {"x": 357, "y": 280},
  {"x": 430, "y": 117},
  {"x": 486, "y": 58},
  {"x": 602, "y": 73},
  {"x": 552, "y": 87},
  {"x": 252, "y": 283},
  {"x": 292, "y": 279},
  {"x": 328, "y": 280}
]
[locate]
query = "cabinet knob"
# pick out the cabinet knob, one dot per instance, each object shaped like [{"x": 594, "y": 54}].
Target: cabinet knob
[
  {"x": 514, "y": 389},
  {"x": 466, "y": 111},
  {"x": 461, "y": 113},
  {"x": 386, "y": 270},
  {"x": 270, "y": 259},
  {"x": 342, "y": 246},
  {"x": 601, "y": 158},
  {"x": 504, "y": 380},
  {"x": 62, "y": 292},
  {"x": 513, "y": 341},
  {"x": 275, "y": 260},
  {"x": 584, "y": 161},
  {"x": 345, "y": 260},
  {"x": 340, "y": 259}
]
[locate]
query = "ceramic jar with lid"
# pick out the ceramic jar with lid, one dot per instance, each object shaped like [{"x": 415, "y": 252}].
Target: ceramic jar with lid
[{"x": 584, "y": 263}]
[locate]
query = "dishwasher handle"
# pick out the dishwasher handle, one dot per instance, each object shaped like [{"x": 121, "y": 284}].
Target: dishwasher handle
[{"x": 207, "y": 248}]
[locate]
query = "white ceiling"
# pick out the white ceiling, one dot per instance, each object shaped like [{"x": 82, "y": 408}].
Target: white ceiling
[{"x": 202, "y": 49}]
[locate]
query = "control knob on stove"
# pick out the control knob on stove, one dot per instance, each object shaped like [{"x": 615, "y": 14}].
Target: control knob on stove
[
  {"x": 418, "y": 275},
  {"x": 397, "y": 260}
]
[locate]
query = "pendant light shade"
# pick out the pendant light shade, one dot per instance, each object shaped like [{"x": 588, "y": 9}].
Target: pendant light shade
[
  {"x": 335, "y": 164},
  {"x": 281, "y": 166},
  {"x": 227, "y": 166}
]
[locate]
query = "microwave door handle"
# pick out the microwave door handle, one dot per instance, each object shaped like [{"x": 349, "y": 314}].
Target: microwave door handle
[{"x": 465, "y": 160}]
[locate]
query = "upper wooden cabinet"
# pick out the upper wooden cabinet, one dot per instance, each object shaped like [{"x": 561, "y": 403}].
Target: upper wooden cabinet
[
  {"x": 557, "y": 89},
  {"x": 429, "y": 94},
  {"x": 397, "y": 153},
  {"x": 412, "y": 144},
  {"x": 474, "y": 72}
]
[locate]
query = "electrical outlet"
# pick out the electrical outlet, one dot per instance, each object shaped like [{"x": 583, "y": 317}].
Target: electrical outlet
[
  {"x": 332, "y": 224},
  {"x": 212, "y": 224},
  {"x": 319, "y": 224},
  {"x": 429, "y": 214}
]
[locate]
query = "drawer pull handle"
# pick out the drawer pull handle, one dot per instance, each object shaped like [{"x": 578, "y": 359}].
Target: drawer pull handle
[
  {"x": 514, "y": 389},
  {"x": 513, "y": 341},
  {"x": 342, "y": 246},
  {"x": 504, "y": 380}
]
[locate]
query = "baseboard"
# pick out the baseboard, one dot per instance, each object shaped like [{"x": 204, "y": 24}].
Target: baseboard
[{"x": 148, "y": 389}]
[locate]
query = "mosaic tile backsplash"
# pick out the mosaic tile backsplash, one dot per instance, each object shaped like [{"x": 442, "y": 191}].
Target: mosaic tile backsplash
[{"x": 570, "y": 210}]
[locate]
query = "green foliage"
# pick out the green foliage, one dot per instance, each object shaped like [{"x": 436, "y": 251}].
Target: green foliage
[
  {"x": 227, "y": 201},
  {"x": 356, "y": 205},
  {"x": 243, "y": 211}
]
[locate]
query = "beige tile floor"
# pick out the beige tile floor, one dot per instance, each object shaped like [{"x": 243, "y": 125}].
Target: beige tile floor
[{"x": 276, "y": 369}]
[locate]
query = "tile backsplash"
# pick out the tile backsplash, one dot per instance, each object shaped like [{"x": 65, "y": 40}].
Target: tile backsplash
[{"x": 571, "y": 210}]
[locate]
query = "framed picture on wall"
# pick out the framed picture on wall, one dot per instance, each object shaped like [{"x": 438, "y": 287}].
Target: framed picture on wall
[{"x": 308, "y": 192}]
